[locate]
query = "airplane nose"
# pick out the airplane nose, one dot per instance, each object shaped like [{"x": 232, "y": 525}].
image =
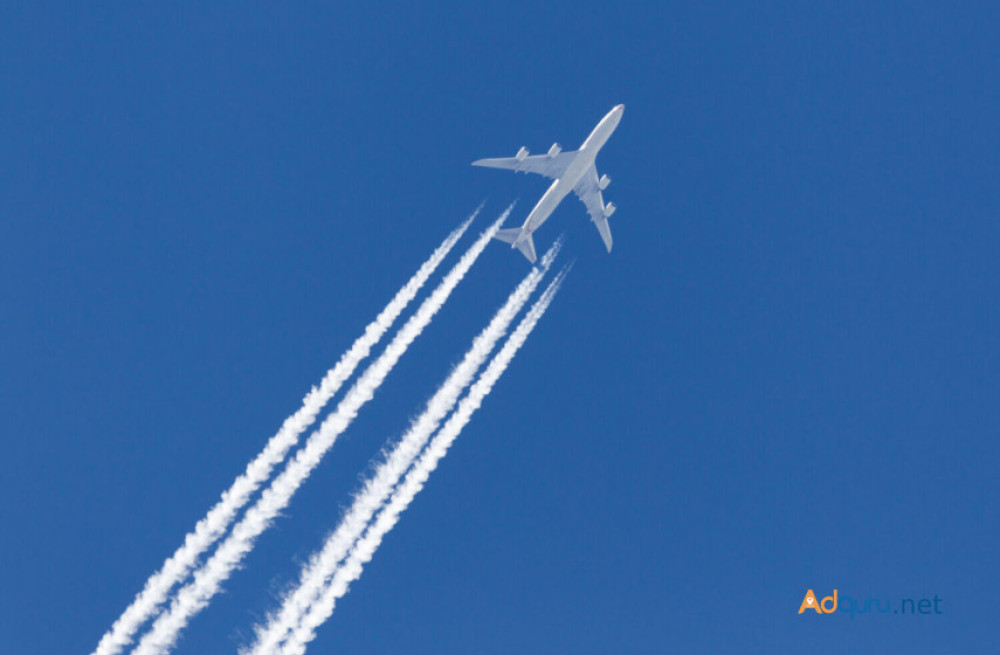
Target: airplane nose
[{"x": 620, "y": 108}]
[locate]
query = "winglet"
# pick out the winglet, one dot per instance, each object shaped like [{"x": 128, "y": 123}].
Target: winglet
[{"x": 605, "y": 230}]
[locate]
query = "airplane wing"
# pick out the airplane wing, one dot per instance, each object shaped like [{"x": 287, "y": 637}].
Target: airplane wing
[
  {"x": 589, "y": 191},
  {"x": 547, "y": 166}
]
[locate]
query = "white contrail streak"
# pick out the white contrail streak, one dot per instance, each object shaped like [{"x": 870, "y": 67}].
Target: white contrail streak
[
  {"x": 363, "y": 551},
  {"x": 207, "y": 580},
  {"x": 378, "y": 488},
  {"x": 209, "y": 529}
]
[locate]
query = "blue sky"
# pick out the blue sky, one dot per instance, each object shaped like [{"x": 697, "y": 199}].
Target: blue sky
[{"x": 784, "y": 377}]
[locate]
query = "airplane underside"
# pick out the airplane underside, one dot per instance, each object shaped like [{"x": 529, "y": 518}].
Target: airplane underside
[{"x": 564, "y": 167}]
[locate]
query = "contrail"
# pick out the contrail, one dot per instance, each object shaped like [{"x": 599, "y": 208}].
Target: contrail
[
  {"x": 363, "y": 551},
  {"x": 378, "y": 488},
  {"x": 194, "y": 596},
  {"x": 209, "y": 529}
]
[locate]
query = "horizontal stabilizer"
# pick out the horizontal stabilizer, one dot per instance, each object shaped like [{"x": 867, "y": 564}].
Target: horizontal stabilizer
[
  {"x": 518, "y": 238},
  {"x": 509, "y": 235},
  {"x": 527, "y": 248}
]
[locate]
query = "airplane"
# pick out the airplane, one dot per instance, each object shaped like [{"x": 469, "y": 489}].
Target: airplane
[{"x": 571, "y": 171}]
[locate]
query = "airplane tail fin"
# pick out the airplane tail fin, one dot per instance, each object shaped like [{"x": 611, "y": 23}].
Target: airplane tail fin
[{"x": 523, "y": 243}]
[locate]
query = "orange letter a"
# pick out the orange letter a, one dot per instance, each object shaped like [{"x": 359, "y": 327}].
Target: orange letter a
[{"x": 810, "y": 603}]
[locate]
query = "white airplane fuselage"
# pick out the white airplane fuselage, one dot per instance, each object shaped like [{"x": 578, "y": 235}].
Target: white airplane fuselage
[{"x": 564, "y": 185}]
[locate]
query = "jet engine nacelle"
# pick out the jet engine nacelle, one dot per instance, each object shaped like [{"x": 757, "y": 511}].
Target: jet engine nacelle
[
  {"x": 603, "y": 183},
  {"x": 554, "y": 150},
  {"x": 609, "y": 209},
  {"x": 522, "y": 154}
]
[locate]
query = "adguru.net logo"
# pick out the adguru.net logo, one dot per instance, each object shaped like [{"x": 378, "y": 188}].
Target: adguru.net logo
[{"x": 850, "y": 606}]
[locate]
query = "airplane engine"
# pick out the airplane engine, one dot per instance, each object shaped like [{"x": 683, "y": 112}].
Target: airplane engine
[
  {"x": 554, "y": 150},
  {"x": 609, "y": 209},
  {"x": 603, "y": 183},
  {"x": 522, "y": 154}
]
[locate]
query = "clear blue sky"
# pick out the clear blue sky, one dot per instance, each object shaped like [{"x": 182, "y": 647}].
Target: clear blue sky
[{"x": 784, "y": 377}]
